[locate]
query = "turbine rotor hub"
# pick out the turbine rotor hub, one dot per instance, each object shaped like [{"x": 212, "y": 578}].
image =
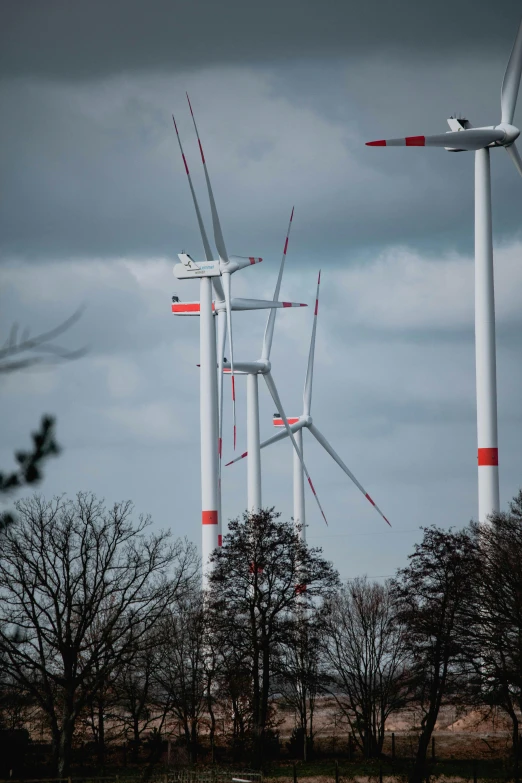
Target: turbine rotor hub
[{"x": 512, "y": 133}]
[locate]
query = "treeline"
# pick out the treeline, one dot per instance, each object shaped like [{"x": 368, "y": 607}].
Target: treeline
[{"x": 103, "y": 627}]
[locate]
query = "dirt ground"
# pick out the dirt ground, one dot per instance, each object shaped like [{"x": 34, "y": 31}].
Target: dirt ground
[{"x": 459, "y": 733}]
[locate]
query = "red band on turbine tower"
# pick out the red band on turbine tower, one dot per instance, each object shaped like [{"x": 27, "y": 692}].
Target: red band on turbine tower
[
  {"x": 487, "y": 457},
  {"x": 209, "y": 517},
  {"x": 220, "y": 540}
]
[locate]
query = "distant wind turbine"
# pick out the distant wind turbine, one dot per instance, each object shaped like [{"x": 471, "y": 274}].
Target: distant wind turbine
[{"x": 297, "y": 424}]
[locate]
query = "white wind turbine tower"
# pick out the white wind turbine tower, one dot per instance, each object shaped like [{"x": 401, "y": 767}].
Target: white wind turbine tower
[
  {"x": 254, "y": 493},
  {"x": 209, "y": 416},
  {"x": 297, "y": 424},
  {"x": 463, "y": 137}
]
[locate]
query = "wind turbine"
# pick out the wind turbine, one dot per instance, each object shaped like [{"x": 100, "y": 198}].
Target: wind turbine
[
  {"x": 210, "y": 399},
  {"x": 263, "y": 367},
  {"x": 297, "y": 424},
  {"x": 463, "y": 137},
  {"x": 254, "y": 502}
]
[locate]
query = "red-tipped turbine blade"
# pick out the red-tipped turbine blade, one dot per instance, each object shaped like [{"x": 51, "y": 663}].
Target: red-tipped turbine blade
[
  {"x": 269, "y": 330},
  {"x": 307, "y": 394},
  {"x": 472, "y": 139},
  {"x": 206, "y": 245},
  {"x": 243, "y": 455},
  {"x": 326, "y": 446},
  {"x": 218, "y": 234}
]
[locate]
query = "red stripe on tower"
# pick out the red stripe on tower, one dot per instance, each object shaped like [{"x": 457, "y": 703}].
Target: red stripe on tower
[
  {"x": 209, "y": 517},
  {"x": 415, "y": 141},
  {"x": 487, "y": 457},
  {"x": 220, "y": 539}
]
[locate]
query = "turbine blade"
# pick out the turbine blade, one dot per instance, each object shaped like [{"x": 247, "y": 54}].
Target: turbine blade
[
  {"x": 307, "y": 394},
  {"x": 511, "y": 82},
  {"x": 221, "y": 337},
  {"x": 218, "y": 288},
  {"x": 241, "y": 456},
  {"x": 261, "y": 304},
  {"x": 269, "y": 330},
  {"x": 324, "y": 443},
  {"x": 226, "y": 286},
  {"x": 218, "y": 234},
  {"x": 515, "y": 157},
  {"x": 472, "y": 139},
  {"x": 275, "y": 396},
  {"x": 206, "y": 245},
  {"x": 281, "y": 435}
]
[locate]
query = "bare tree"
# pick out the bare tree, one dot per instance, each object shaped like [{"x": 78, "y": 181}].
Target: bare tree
[
  {"x": 300, "y": 673},
  {"x": 21, "y": 351},
  {"x": 492, "y": 620},
  {"x": 254, "y": 593},
  {"x": 180, "y": 667},
  {"x": 430, "y": 594},
  {"x": 135, "y": 697},
  {"x": 80, "y": 587},
  {"x": 366, "y": 658}
]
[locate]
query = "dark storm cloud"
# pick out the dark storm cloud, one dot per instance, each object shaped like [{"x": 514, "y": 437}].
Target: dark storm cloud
[
  {"x": 88, "y": 159},
  {"x": 66, "y": 40}
]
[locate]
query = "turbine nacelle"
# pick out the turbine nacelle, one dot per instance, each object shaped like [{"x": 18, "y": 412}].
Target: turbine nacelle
[
  {"x": 211, "y": 268},
  {"x": 259, "y": 367}
]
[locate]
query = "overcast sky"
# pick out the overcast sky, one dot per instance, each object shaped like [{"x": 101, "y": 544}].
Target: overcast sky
[{"x": 95, "y": 206}]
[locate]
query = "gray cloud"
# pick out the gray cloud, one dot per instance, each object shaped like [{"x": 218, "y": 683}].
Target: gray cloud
[
  {"x": 74, "y": 41},
  {"x": 94, "y": 169}
]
